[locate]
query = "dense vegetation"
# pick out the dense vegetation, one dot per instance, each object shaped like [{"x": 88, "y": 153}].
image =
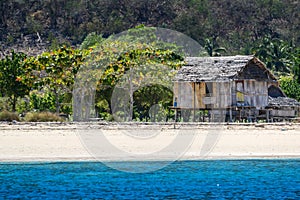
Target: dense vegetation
[
  {"x": 234, "y": 24},
  {"x": 64, "y": 30},
  {"x": 49, "y": 77}
]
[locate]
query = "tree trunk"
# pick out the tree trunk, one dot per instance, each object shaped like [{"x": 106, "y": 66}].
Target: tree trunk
[
  {"x": 14, "y": 102},
  {"x": 57, "y": 104},
  {"x": 130, "y": 97}
]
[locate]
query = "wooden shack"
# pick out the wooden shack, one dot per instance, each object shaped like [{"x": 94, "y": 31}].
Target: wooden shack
[{"x": 238, "y": 86}]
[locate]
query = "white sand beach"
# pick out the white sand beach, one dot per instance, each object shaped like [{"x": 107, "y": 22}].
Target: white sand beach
[{"x": 96, "y": 141}]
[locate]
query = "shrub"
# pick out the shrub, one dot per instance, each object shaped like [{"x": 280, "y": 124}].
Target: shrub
[
  {"x": 43, "y": 117},
  {"x": 42, "y": 101},
  {"x": 4, "y": 105},
  {"x": 9, "y": 116},
  {"x": 290, "y": 87}
]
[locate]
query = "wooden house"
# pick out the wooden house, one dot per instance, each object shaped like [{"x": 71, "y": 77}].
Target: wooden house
[{"x": 236, "y": 85}]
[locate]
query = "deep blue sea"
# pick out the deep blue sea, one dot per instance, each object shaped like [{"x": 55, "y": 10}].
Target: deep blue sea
[{"x": 235, "y": 179}]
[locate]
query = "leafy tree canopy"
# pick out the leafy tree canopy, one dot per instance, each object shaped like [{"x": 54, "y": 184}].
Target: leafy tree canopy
[
  {"x": 11, "y": 73},
  {"x": 127, "y": 61},
  {"x": 55, "y": 70}
]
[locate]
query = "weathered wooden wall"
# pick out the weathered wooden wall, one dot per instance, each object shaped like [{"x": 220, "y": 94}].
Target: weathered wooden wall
[
  {"x": 255, "y": 93},
  {"x": 183, "y": 91},
  {"x": 200, "y": 93},
  {"x": 223, "y": 94}
]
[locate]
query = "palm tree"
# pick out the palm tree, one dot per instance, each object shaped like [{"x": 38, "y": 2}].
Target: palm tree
[
  {"x": 212, "y": 48},
  {"x": 275, "y": 53},
  {"x": 296, "y": 62}
]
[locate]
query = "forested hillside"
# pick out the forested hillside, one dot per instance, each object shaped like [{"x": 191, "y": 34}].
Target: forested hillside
[
  {"x": 234, "y": 24},
  {"x": 44, "y": 43}
]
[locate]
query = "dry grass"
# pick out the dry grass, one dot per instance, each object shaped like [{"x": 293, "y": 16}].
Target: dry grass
[
  {"x": 42, "y": 117},
  {"x": 9, "y": 116}
]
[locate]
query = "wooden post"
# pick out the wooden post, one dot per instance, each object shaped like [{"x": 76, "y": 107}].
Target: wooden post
[
  {"x": 175, "y": 118},
  {"x": 230, "y": 114},
  {"x": 194, "y": 106}
]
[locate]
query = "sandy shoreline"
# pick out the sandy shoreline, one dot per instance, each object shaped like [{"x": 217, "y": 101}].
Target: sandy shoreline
[{"x": 24, "y": 142}]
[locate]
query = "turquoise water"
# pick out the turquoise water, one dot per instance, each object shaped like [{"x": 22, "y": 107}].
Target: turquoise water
[{"x": 239, "y": 179}]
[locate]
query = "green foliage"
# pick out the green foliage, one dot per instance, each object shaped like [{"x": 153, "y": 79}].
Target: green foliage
[
  {"x": 103, "y": 109},
  {"x": 126, "y": 61},
  {"x": 11, "y": 73},
  {"x": 55, "y": 71},
  {"x": 45, "y": 101},
  {"x": 42, "y": 101},
  {"x": 236, "y": 23},
  {"x": 136, "y": 51},
  {"x": 33, "y": 25},
  {"x": 23, "y": 105},
  {"x": 4, "y": 103},
  {"x": 296, "y": 61},
  {"x": 212, "y": 48},
  {"x": 91, "y": 40},
  {"x": 134, "y": 59},
  {"x": 9, "y": 116},
  {"x": 42, "y": 117},
  {"x": 290, "y": 87},
  {"x": 282, "y": 58},
  {"x": 276, "y": 53},
  {"x": 151, "y": 103}
]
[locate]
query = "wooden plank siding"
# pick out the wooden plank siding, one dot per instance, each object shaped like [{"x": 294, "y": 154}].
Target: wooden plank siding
[
  {"x": 200, "y": 93},
  {"x": 194, "y": 94},
  {"x": 223, "y": 95},
  {"x": 256, "y": 93},
  {"x": 183, "y": 91}
]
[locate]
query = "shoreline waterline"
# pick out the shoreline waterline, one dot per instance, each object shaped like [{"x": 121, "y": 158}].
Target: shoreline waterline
[{"x": 87, "y": 160}]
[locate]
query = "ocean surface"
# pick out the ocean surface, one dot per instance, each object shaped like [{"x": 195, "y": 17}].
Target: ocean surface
[{"x": 223, "y": 179}]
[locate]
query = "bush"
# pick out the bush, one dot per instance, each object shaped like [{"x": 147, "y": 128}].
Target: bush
[
  {"x": 23, "y": 105},
  {"x": 42, "y": 101},
  {"x": 4, "y": 105},
  {"x": 9, "y": 116},
  {"x": 290, "y": 87},
  {"x": 43, "y": 117}
]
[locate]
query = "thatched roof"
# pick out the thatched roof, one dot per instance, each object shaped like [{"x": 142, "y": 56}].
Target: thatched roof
[
  {"x": 199, "y": 69},
  {"x": 282, "y": 102},
  {"x": 274, "y": 92}
]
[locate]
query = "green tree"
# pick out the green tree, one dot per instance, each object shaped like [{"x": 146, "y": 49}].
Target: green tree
[
  {"x": 122, "y": 60},
  {"x": 134, "y": 59},
  {"x": 212, "y": 48},
  {"x": 276, "y": 54},
  {"x": 42, "y": 101},
  {"x": 91, "y": 40},
  {"x": 152, "y": 96},
  {"x": 246, "y": 21},
  {"x": 11, "y": 72},
  {"x": 290, "y": 87},
  {"x": 296, "y": 62},
  {"x": 55, "y": 71}
]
